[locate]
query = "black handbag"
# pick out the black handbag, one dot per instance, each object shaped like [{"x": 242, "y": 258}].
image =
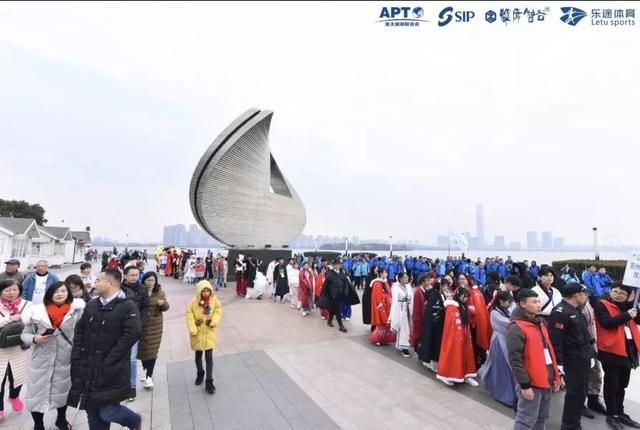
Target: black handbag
[{"x": 10, "y": 333}]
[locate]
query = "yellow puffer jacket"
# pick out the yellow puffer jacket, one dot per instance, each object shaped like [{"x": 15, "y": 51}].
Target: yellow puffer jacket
[{"x": 201, "y": 334}]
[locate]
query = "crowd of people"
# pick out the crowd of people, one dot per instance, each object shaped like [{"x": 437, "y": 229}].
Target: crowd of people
[
  {"x": 77, "y": 342},
  {"x": 519, "y": 330}
]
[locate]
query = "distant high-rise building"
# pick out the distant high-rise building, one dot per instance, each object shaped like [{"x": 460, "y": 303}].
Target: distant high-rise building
[
  {"x": 532, "y": 239},
  {"x": 443, "y": 241},
  {"x": 499, "y": 242},
  {"x": 480, "y": 226},
  {"x": 547, "y": 240},
  {"x": 558, "y": 243},
  {"x": 515, "y": 245}
]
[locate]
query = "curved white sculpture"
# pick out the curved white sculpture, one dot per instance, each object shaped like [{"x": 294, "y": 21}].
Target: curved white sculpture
[{"x": 238, "y": 193}]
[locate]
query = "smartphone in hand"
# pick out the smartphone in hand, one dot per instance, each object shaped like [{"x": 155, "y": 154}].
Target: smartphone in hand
[{"x": 48, "y": 332}]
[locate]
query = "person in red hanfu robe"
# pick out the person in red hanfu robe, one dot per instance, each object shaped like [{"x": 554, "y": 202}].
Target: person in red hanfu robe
[
  {"x": 306, "y": 281},
  {"x": 169, "y": 269},
  {"x": 457, "y": 363},
  {"x": 381, "y": 333},
  {"x": 425, "y": 283},
  {"x": 481, "y": 329},
  {"x": 324, "y": 313}
]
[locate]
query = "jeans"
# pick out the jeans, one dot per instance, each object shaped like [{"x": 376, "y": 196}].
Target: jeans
[
  {"x": 533, "y": 414},
  {"x": 134, "y": 365},
  {"x": 101, "y": 417}
]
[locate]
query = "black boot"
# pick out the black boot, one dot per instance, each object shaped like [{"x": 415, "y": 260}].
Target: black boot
[
  {"x": 209, "y": 387},
  {"x": 342, "y": 329},
  {"x": 200, "y": 377},
  {"x": 330, "y": 323},
  {"x": 587, "y": 413},
  {"x": 593, "y": 403}
]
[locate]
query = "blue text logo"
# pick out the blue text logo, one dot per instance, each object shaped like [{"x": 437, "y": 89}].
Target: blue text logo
[{"x": 404, "y": 16}]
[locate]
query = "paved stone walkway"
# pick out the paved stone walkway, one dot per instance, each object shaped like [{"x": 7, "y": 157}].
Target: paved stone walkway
[{"x": 274, "y": 369}]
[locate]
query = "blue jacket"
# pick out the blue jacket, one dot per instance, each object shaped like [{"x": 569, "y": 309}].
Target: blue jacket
[
  {"x": 409, "y": 264},
  {"x": 605, "y": 282},
  {"x": 502, "y": 271},
  {"x": 491, "y": 267},
  {"x": 592, "y": 282},
  {"x": 479, "y": 276},
  {"x": 440, "y": 269},
  {"x": 534, "y": 270},
  {"x": 29, "y": 284}
]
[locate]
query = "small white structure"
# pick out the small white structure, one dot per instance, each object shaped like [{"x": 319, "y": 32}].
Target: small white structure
[
  {"x": 56, "y": 245},
  {"x": 82, "y": 243},
  {"x": 16, "y": 235}
]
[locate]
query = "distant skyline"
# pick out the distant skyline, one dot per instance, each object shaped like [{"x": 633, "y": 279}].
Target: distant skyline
[{"x": 382, "y": 131}]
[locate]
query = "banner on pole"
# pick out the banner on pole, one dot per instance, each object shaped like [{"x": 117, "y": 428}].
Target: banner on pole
[{"x": 632, "y": 271}]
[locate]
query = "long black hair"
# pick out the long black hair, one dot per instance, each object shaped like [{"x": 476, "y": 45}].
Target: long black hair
[
  {"x": 504, "y": 296},
  {"x": 464, "y": 311}
]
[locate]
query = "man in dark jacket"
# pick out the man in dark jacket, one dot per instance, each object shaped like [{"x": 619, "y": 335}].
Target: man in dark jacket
[
  {"x": 100, "y": 358},
  {"x": 575, "y": 355},
  {"x": 334, "y": 288},
  {"x": 532, "y": 361},
  {"x": 139, "y": 294}
]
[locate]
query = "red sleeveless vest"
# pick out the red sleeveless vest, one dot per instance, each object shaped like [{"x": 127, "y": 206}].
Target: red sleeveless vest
[
  {"x": 612, "y": 340},
  {"x": 534, "y": 354}
]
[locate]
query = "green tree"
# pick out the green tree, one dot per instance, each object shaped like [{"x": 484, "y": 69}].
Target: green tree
[{"x": 22, "y": 209}]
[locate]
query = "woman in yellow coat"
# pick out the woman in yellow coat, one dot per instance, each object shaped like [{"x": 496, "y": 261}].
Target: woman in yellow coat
[{"x": 203, "y": 315}]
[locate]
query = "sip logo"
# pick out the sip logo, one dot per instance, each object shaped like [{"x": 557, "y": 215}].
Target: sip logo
[{"x": 448, "y": 14}]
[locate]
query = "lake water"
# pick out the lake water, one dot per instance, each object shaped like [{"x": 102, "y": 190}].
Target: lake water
[{"x": 541, "y": 257}]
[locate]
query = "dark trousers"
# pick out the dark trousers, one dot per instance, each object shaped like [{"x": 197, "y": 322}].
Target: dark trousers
[
  {"x": 576, "y": 379},
  {"x": 357, "y": 281},
  {"x": 100, "y": 417},
  {"x": 14, "y": 392},
  {"x": 208, "y": 273},
  {"x": 149, "y": 365},
  {"x": 61, "y": 421},
  {"x": 616, "y": 380},
  {"x": 334, "y": 310},
  {"x": 208, "y": 358}
]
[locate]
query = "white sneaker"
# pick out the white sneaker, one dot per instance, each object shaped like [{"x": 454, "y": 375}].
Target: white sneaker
[
  {"x": 143, "y": 378},
  {"x": 447, "y": 383},
  {"x": 471, "y": 382},
  {"x": 148, "y": 383}
]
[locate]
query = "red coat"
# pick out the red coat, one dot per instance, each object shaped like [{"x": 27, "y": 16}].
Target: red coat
[
  {"x": 456, "y": 360},
  {"x": 169, "y": 268},
  {"x": 305, "y": 281},
  {"x": 416, "y": 316},
  {"x": 481, "y": 320},
  {"x": 319, "y": 284},
  {"x": 380, "y": 295}
]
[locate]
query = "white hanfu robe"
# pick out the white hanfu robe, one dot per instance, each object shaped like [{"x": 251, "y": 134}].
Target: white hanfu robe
[{"x": 400, "y": 315}]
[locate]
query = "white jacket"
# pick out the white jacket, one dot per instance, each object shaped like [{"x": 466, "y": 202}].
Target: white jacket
[{"x": 556, "y": 299}]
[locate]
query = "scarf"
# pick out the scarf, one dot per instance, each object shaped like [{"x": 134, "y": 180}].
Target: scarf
[
  {"x": 206, "y": 305},
  {"x": 57, "y": 313},
  {"x": 12, "y": 305}
]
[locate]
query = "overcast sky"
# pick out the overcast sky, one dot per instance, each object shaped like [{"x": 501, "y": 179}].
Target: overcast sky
[{"x": 107, "y": 108}]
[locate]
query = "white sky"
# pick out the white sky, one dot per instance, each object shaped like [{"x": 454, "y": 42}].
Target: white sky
[{"x": 106, "y": 108}]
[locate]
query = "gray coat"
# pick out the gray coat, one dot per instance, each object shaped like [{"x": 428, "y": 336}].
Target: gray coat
[{"x": 49, "y": 378}]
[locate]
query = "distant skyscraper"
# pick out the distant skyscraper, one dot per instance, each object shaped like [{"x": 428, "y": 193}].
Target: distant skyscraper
[
  {"x": 558, "y": 243},
  {"x": 547, "y": 240},
  {"x": 480, "y": 225},
  {"x": 443, "y": 241},
  {"x": 499, "y": 242},
  {"x": 532, "y": 239}
]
